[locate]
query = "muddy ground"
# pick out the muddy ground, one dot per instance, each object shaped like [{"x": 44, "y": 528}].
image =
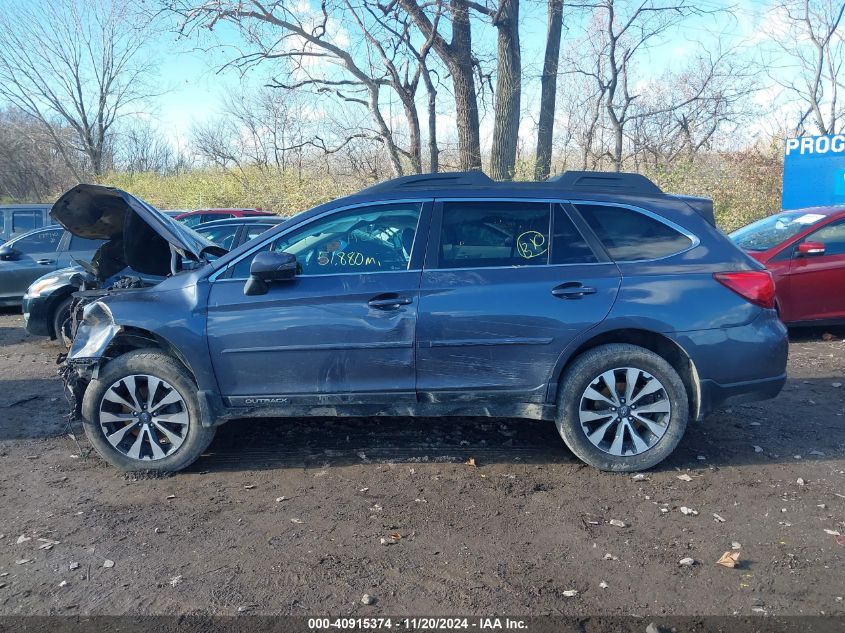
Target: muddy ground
[{"x": 287, "y": 517}]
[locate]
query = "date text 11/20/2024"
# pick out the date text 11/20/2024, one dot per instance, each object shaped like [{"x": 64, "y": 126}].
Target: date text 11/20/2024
[{"x": 418, "y": 624}]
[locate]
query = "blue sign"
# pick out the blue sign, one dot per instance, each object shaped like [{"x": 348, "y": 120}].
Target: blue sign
[{"x": 814, "y": 171}]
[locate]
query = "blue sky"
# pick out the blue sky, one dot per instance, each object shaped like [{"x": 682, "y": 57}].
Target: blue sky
[{"x": 194, "y": 85}]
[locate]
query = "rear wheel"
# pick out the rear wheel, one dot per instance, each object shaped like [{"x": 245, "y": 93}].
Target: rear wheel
[
  {"x": 141, "y": 413},
  {"x": 622, "y": 408}
]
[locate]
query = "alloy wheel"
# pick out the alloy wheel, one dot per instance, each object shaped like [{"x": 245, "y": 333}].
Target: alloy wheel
[
  {"x": 144, "y": 417},
  {"x": 624, "y": 411}
]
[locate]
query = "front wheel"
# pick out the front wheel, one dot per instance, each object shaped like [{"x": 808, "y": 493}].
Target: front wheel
[
  {"x": 622, "y": 408},
  {"x": 141, "y": 413}
]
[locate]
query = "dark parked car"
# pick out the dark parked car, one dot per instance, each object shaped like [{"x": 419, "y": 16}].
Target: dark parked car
[
  {"x": 592, "y": 300},
  {"x": 17, "y": 219},
  {"x": 46, "y": 304},
  {"x": 201, "y": 216},
  {"x": 34, "y": 254},
  {"x": 805, "y": 250}
]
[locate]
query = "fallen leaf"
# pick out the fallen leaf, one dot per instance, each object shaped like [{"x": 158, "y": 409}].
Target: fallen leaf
[
  {"x": 396, "y": 536},
  {"x": 471, "y": 462},
  {"x": 728, "y": 559}
]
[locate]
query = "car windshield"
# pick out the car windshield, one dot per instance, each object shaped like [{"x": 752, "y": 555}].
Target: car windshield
[{"x": 769, "y": 232}]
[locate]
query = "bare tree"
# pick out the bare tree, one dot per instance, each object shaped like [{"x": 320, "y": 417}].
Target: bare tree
[
  {"x": 548, "y": 91},
  {"x": 722, "y": 84},
  {"x": 31, "y": 168},
  {"x": 621, "y": 32},
  {"x": 457, "y": 55},
  {"x": 310, "y": 46},
  {"x": 76, "y": 64},
  {"x": 140, "y": 147},
  {"x": 815, "y": 46}
]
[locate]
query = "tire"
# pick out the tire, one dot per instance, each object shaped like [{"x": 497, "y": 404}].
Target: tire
[
  {"x": 653, "y": 416},
  {"x": 170, "y": 438},
  {"x": 60, "y": 315}
]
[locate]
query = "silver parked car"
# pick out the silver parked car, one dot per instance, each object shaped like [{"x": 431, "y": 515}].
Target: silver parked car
[{"x": 25, "y": 258}]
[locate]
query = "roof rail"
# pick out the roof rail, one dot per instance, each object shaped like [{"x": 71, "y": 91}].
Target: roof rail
[
  {"x": 606, "y": 181},
  {"x": 459, "y": 178}
]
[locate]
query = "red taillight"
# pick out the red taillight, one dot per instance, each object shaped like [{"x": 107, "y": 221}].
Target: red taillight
[{"x": 756, "y": 286}]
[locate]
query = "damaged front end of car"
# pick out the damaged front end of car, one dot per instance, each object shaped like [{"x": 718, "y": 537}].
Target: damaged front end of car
[{"x": 142, "y": 247}]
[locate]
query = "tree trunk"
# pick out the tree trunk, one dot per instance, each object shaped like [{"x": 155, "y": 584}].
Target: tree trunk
[
  {"x": 466, "y": 101},
  {"x": 415, "y": 150},
  {"x": 548, "y": 92},
  {"x": 508, "y": 92},
  {"x": 433, "y": 150}
]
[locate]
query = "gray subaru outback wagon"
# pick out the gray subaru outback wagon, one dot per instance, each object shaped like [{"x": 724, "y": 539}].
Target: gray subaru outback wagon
[{"x": 593, "y": 300}]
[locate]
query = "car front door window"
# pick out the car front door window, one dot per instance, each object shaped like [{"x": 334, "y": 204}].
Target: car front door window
[
  {"x": 832, "y": 236},
  {"x": 360, "y": 240},
  {"x": 41, "y": 242}
]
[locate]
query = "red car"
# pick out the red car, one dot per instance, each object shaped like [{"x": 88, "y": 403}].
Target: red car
[
  {"x": 192, "y": 218},
  {"x": 805, "y": 251}
]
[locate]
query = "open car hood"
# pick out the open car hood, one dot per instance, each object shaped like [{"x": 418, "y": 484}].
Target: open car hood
[{"x": 138, "y": 235}]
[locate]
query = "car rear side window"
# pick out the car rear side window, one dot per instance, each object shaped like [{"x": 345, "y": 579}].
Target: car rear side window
[
  {"x": 23, "y": 221},
  {"x": 629, "y": 235},
  {"x": 83, "y": 244},
  {"x": 486, "y": 234}
]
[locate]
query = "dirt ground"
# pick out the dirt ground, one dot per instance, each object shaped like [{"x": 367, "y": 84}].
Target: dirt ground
[{"x": 288, "y": 517}]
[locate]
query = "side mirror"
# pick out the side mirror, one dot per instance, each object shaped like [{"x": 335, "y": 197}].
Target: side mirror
[
  {"x": 7, "y": 253},
  {"x": 806, "y": 249},
  {"x": 268, "y": 267}
]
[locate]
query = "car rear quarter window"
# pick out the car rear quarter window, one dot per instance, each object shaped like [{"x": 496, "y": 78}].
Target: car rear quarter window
[
  {"x": 832, "y": 236},
  {"x": 629, "y": 235},
  {"x": 486, "y": 234}
]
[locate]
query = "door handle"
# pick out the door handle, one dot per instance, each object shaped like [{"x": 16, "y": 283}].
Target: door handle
[
  {"x": 44, "y": 262},
  {"x": 387, "y": 303},
  {"x": 573, "y": 290}
]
